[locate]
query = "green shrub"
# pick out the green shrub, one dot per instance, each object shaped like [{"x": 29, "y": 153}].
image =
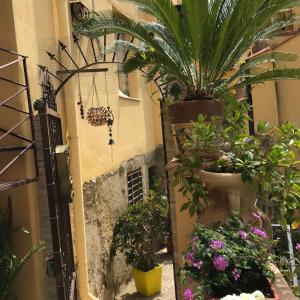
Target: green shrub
[{"x": 139, "y": 230}]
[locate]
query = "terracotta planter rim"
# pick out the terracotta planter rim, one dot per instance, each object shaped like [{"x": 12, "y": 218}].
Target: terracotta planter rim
[
  {"x": 210, "y": 173},
  {"x": 196, "y": 100}
]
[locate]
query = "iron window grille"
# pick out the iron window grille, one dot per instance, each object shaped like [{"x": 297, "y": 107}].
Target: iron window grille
[{"x": 135, "y": 186}]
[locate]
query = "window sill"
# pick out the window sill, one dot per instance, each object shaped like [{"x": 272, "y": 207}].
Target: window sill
[{"x": 125, "y": 97}]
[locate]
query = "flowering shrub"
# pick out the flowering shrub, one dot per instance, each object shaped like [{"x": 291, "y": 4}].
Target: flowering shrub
[{"x": 232, "y": 258}]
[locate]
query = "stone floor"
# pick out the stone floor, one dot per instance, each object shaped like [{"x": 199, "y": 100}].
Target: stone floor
[{"x": 168, "y": 289}]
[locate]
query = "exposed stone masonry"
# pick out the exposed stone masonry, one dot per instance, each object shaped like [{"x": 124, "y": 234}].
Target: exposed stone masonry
[{"x": 105, "y": 198}]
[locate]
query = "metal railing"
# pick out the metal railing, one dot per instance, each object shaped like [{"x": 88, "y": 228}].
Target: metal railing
[{"x": 27, "y": 143}]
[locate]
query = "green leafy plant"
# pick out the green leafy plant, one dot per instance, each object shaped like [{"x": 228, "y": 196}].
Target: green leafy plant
[
  {"x": 267, "y": 161},
  {"x": 232, "y": 258},
  {"x": 199, "y": 46},
  {"x": 139, "y": 231},
  {"x": 10, "y": 264}
]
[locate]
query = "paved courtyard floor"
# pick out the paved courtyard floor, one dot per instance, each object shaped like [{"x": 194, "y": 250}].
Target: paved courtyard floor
[{"x": 168, "y": 289}]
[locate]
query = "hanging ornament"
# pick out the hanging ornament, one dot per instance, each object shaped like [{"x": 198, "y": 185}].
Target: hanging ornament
[
  {"x": 79, "y": 103},
  {"x": 109, "y": 116},
  {"x": 96, "y": 116}
]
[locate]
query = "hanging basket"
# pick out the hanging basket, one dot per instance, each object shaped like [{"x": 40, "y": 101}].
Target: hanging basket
[{"x": 97, "y": 116}]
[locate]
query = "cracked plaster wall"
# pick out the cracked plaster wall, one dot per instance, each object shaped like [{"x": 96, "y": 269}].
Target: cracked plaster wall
[{"x": 105, "y": 198}]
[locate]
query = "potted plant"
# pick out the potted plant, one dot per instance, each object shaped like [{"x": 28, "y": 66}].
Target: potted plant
[
  {"x": 137, "y": 234},
  {"x": 231, "y": 258},
  {"x": 246, "y": 166},
  {"x": 195, "y": 51}
]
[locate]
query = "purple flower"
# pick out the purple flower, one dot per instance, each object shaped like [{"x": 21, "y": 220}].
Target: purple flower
[
  {"x": 298, "y": 246},
  {"x": 198, "y": 264},
  {"x": 257, "y": 215},
  {"x": 243, "y": 234},
  {"x": 190, "y": 257},
  {"x": 188, "y": 294},
  {"x": 220, "y": 263},
  {"x": 235, "y": 274},
  {"x": 259, "y": 232},
  {"x": 216, "y": 244}
]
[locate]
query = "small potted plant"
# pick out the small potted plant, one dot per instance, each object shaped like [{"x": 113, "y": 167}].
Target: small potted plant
[
  {"x": 137, "y": 234},
  {"x": 232, "y": 258}
]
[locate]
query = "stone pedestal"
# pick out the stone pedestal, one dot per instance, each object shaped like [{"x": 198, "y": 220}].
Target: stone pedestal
[{"x": 227, "y": 193}]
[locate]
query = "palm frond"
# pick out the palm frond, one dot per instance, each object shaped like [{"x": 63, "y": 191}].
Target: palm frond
[
  {"x": 202, "y": 43},
  {"x": 277, "y": 74},
  {"x": 273, "y": 57},
  {"x": 19, "y": 264}
]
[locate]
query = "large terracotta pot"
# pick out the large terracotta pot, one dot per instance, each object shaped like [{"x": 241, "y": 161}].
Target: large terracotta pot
[{"x": 186, "y": 111}]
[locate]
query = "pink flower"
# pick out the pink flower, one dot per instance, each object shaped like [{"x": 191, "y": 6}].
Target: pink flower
[
  {"x": 257, "y": 215},
  {"x": 220, "y": 263},
  {"x": 198, "y": 264},
  {"x": 216, "y": 244},
  {"x": 190, "y": 257},
  {"x": 188, "y": 294},
  {"x": 259, "y": 232},
  {"x": 235, "y": 274},
  {"x": 298, "y": 246},
  {"x": 243, "y": 234}
]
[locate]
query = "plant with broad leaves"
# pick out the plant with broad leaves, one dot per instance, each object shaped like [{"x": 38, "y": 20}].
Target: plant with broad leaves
[{"x": 267, "y": 161}]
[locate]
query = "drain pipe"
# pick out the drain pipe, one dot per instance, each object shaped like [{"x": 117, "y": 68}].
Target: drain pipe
[{"x": 63, "y": 17}]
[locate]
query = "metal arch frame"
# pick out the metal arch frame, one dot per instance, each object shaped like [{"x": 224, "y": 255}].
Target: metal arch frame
[
  {"x": 86, "y": 68},
  {"x": 83, "y": 69}
]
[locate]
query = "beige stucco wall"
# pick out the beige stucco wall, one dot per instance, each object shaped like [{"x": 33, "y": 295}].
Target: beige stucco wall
[
  {"x": 278, "y": 102},
  {"x": 265, "y": 103},
  {"x": 137, "y": 124},
  {"x": 288, "y": 91},
  {"x": 23, "y": 199}
]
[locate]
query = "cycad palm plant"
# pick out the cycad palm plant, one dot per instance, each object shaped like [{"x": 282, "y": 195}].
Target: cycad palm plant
[{"x": 201, "y": 44}]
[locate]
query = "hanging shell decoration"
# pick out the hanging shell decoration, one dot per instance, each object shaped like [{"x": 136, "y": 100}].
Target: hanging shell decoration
[{"x": 97, "y": 116}]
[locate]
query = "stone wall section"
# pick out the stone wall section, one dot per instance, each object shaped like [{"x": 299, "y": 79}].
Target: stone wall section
[{"x": 105, "y": 198}]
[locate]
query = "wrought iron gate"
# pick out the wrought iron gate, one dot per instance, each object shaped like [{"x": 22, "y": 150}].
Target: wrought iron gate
[{"x": 62, "y": 259}]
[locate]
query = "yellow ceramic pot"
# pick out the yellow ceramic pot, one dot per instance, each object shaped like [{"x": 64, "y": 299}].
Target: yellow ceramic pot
[{"x": 148, "y": 283}]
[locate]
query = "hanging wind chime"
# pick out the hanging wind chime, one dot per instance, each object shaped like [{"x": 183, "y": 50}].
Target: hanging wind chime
[{"x": 98, "y": 115}]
